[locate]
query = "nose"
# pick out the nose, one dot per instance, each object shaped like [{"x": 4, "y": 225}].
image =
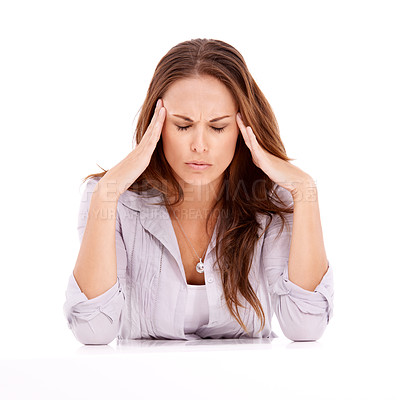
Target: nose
[{"x": 199, "y": 142}]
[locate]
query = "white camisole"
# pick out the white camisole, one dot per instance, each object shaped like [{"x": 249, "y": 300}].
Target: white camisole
[{"x": 196, "y": 313}]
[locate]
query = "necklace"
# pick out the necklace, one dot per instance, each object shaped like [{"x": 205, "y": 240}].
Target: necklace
[{"x": 200, "y": 264}]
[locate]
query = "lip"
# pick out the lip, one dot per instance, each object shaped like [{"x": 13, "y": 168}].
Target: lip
[
  {"x": 198, "y": 166},
  {"x": 198, "y": 162}
]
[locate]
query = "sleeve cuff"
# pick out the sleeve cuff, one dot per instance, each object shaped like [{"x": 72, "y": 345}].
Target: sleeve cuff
[
  {"x": 317, "y": 302},
  {"x": 78, "y": 305}
]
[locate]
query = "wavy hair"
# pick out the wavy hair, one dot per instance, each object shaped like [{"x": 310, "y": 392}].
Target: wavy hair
[{"x": 246, "y": 189}]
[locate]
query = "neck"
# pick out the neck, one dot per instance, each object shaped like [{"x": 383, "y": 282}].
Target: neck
[{"x": 198, "y": 200}]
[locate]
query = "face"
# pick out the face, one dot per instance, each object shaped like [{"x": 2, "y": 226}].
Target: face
[{"x": 194, "y": 130}]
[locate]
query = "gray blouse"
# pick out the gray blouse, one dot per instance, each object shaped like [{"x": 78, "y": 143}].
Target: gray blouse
[{"x": 150, "y": 296}]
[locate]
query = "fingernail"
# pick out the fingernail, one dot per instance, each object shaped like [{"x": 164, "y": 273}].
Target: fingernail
[
  {"x": 158, "y": 103},
  {"x": 239, "y": 116}
]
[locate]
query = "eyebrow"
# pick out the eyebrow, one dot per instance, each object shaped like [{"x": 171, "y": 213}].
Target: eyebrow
[{"x": 211, "y": 120}]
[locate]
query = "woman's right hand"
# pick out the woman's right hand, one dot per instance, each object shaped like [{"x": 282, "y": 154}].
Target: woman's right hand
[{"x": 121, "y": 176}]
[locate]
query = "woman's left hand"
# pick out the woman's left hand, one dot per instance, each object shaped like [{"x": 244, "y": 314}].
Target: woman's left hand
[{"x": 280, "y": 171}]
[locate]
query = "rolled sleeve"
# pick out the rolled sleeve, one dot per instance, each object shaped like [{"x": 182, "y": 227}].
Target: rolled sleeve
[
  {"x": 302, "y": 314},
  {"x": 96, "y": 320}
]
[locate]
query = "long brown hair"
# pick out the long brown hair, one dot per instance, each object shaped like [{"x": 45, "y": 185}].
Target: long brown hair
[{"x": 246, "y": 189}]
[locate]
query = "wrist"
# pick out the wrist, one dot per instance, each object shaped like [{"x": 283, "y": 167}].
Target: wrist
[
  {"x": 305, "y": 190},
  {"x": 106, "y": 191}
]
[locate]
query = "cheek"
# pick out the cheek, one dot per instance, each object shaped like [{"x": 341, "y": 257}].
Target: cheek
[
  {"x": 167, "y": 145},
  {"x": 228, "y": 145},
  {"x": 169, "y": 139},
  {"x": 227, "y": 149},
  {"x": 172, "y": 147}
]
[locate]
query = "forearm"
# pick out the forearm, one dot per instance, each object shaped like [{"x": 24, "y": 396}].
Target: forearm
[
  {"x": 307, "y": 258},
  {"x": 96, "y": 266}
]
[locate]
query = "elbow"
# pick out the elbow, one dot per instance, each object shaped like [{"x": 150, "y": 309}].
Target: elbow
[
  {"x": 94, "y": 321},
  {"x": 303, "y": 319},
  {"x": 310, "y": 328},
  {"x": 99, "y": 330}
]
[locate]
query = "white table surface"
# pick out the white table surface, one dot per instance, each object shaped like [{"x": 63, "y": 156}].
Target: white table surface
[{"x": 338, "y": 366}]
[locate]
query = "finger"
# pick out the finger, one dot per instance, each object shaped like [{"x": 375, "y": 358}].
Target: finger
[
  {"x": 254, "y": 141},
  {"x": 248, "y": 138},
  {"x": 156, "y": 131},
  {"x": 243, "y": 130},
  {"x": 242, "y": 126},
  {"x": 239, "y": 121},
  {"x": 152, "y": 126},
  {"x": 160, "y": 116},
  {"x": 155, "y": 116},
  {"x": 251, "y": 136}
]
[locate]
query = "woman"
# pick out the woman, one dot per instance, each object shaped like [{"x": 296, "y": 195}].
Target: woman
[{"x": 171, "y": 249}]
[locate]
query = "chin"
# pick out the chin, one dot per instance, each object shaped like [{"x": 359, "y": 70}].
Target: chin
[{"x": 200, "y": 181}]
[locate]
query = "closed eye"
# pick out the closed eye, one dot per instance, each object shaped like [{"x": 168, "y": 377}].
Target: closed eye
[{"x": 185, "y": 128}]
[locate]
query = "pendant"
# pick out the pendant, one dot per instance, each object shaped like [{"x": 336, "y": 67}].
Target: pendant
[{"x": 200, "y": 267}]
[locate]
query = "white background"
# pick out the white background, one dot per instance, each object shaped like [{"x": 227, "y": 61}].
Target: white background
[{"x": 73, "y": 76}]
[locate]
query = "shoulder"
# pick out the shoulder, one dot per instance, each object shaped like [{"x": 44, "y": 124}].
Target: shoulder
[
  {"x": 139, "y": 201},
  {"x": 128, "y": 199}
]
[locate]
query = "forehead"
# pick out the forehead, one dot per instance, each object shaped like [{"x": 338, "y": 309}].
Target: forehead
[{"x": 205, "y": 92}]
